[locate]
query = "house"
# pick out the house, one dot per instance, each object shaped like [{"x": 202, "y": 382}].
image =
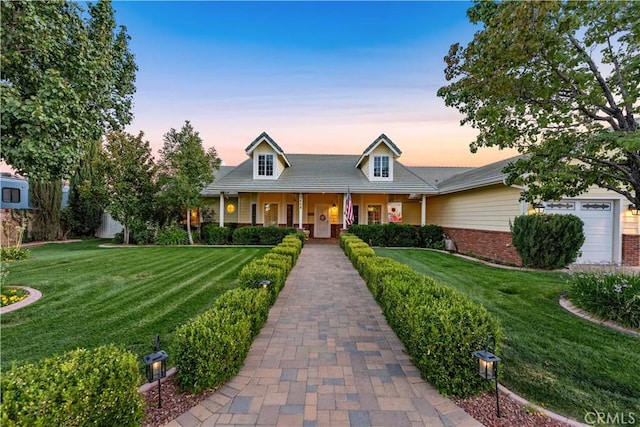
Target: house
[{"x": 473, "y": 205}]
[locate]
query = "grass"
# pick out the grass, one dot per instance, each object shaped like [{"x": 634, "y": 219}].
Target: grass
[
  {"x": 94, "y": 296},
  {"x": 550, "y": 357}
]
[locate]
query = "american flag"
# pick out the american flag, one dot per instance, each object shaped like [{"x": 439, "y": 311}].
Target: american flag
[{"x": 348, "y": 215}]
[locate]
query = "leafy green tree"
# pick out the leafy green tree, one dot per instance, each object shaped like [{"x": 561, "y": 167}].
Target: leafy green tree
[
  {"x": 186, "y": 169},
  {"x": 131, "y": 186},
  {"x": 560, "y": 82},
  {"x": 88, "y": 192},
  {"x": 67, "y": 76}
]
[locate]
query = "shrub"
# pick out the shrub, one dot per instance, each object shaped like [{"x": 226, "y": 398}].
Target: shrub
[
  {"x": 279, "y": 260},
  {"x": 547, "y": 241},
  {"x": 290, "y": 251},
  {"x": 13, "y": 253},
  {"x": 172, "y": 235},
  {"x": 438, "y": 326},
  {"x": 400, "y": 235},
  {"x": 253, "y": 274},
  {"x": 612, "y": 296},
  {"x": 211, "y": 348},
  {"x": 346, "y": 238},
  {"x": 252, "y": 304},
  {"x": 432, "y": 236},
  {"x": 246, "y": 236},
  {"x": 81, "y": 387},
  {"x": 294, "y": 240},
  {"x": 215, "y": 235},
  {"x": 374, "y": 235},
  {"x": 144, "y": 237}
]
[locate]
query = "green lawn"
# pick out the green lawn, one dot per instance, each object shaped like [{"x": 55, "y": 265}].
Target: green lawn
[
  {"x": 550, "y": 357},
  {"x": 94, "y": 296}
]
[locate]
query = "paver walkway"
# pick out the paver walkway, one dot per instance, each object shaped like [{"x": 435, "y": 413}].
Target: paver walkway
[{"x": 326, "y": 357}]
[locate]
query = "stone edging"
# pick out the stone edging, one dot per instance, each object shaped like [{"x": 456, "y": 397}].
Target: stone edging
[
  {"x": 568, "y": 305},
  {"x": 148, "y": 386},
  {"x": 34, "y": 295},
  {"x": 546, "y": 412}
]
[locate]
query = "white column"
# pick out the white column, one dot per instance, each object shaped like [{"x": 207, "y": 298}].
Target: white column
[
  {"x": 423, "y": 213},
  {"x": 300, "y": 209},
  {"x": 221, "y": 209}
]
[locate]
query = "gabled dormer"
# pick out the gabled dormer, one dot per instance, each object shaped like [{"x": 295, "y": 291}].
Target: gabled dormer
[
  {"x": 268, "y": 158},
  {"x": 376, "y": 162}
]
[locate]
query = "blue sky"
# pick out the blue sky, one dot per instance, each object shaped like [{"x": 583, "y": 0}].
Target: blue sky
[{"x": 318, "y": 77}]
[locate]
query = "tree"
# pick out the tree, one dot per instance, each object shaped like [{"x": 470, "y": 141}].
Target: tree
[
  {"x": 88, "y": 192},
  {"x": 560, "y": 82},
  {"x": 66, "y": 77},
  {"x": 130, "y": 179},
  {"x": 186, "y": 169}
]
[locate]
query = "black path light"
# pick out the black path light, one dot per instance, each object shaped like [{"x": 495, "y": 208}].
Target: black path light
[
  {"x": 156, "y": 365},
  {"x": 488, "y": 366}
]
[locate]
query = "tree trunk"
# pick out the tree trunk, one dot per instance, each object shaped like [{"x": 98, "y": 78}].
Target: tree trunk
[
  {"x": 47, "y": 200},
  {"x": 189, "y": 226}
]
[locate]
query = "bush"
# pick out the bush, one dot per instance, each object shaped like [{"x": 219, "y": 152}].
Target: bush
[
  {"x": 261, "y": 235},
  {"x": 400, "y": 235},
  {"x": 253, "y": 274},
  {"x": 172, "y": 235},
  {"x": 252, "y": 304},
  {"x": 279, "y": 260},
  {"x": 432, "y": 236},
  {"x": 438, "y": 326},
  {"x": 215, "y": 235},
  {"x": 14, "y": 253},
  {"x": 547, "y": 241},
  {"x": 81, "y": 387},
  {"x": 611, "y": 296},
  {"x": 211, "y": 348},
  {"x": 290, "y": 251},
  {"x": 144, "y": 237}
]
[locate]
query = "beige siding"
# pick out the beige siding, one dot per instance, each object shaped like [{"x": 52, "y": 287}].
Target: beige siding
[
  {"x": 488, "y": 208},
  {"x": 278, "y": 165},
  {"x": 364, "y": 167}
]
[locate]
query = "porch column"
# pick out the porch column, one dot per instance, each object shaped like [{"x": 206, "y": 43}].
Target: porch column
[
  {"x": 221, "y": 209},
  {"x": 423, "y": 213},
  {"x": 300, "y": 209}
]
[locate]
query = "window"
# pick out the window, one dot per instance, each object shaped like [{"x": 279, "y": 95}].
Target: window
[
  {"x": 381, "y": 166},
  {"x": 10, "y": 195},
  {"x": 270, "y": 214},
  {"x": 374, "y": 214},
  {"x": 265, "y": 165}
]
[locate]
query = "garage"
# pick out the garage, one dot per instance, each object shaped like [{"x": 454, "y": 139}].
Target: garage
[{"x": 597, "y": 216}]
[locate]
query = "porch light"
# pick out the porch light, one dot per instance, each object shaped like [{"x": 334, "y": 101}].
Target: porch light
[
  {"x": 488, "y": 366},
  {"x": 634, "y": 209},
  {"x": 156, "y": 366},
  {"x": 539, "y": 207}
]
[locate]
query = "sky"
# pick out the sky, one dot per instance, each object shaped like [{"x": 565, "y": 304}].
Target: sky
[{"x": 319, "y": 77}]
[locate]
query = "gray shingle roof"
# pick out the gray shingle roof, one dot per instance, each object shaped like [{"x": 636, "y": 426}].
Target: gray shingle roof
[
  {"x": 435, "y": 175},
  {"x": 476, "y": 177},
  {"x": 317, "y": 173}
]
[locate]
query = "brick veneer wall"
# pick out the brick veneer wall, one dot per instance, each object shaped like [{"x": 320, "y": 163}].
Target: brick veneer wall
[
  {"x": 630, "y": 249},
  {"x": 493, "y": 245}
]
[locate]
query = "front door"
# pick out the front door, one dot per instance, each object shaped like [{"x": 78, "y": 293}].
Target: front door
[{"x": 322, "y": 223}]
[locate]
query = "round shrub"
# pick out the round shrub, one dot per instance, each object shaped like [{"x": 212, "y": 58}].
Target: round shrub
[
  {"x": 81, "y": 387},
  {"x": 172, "y": 235},
  {"x": 215, "y": 235},
  {"x": 547, "y": 241},
  {"x": 252, "y": 304},
  {"x": 210, "y": 349}
]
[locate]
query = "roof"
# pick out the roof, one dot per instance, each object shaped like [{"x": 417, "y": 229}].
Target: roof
[
  {"x": 477, "y": 177},
  {"x": 435, "y": 175},
  {"x": 379, "y": 140},
  {"x": 317, "y": 173},
  {"x": 264, "y": 137}
]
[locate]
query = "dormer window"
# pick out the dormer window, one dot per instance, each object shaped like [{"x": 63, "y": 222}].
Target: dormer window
[
  {"x": 265, "y": 165},
  {"x": 381, "y": 166}
]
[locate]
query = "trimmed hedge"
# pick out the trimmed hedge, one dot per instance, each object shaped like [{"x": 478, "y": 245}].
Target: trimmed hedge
[
  {"x": 438, "y": 326},
  {"x": 252, "y": 304},
  {"x": 80, "y": 387},
  {"x": 172, "y": 235},
  {"x": 547, "y": 241},
  {"x": 211, "y": 348},
  {"x": 215, "y": 235},
  {"x": 261, "y": 235}
]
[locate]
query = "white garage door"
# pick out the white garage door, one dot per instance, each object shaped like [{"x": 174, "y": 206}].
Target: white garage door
[{"x": 597, "y": 216}]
